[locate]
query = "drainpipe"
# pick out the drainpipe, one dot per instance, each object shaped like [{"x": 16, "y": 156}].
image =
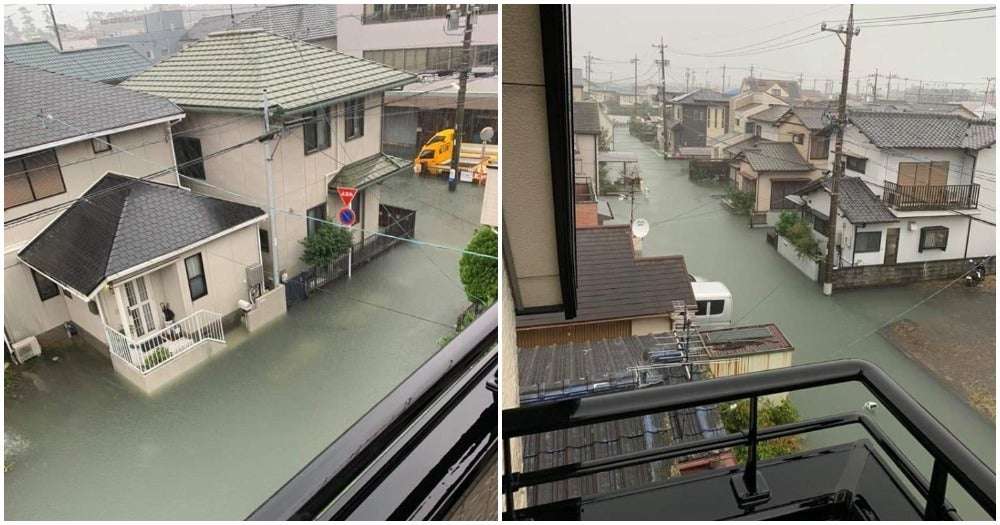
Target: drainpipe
[{"x": 272, "y": 222}]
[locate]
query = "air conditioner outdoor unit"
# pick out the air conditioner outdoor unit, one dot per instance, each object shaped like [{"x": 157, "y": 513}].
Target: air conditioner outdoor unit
[{"x": 26, "y": 349}]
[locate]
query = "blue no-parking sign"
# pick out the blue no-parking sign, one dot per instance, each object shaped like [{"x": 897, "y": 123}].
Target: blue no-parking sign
[{"x": 347, "y": 216}]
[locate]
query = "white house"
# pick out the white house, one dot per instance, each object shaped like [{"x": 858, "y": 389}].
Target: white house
[
  {"x": 99, "y": 233},
  {"x": 586, "y": 142},
  {"x": 325, "y": 116}
]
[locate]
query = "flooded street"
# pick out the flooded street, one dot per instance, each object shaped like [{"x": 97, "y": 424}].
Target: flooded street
[
  {"x": 687, "y": 219},
  {"x": 81, "y": 444}
]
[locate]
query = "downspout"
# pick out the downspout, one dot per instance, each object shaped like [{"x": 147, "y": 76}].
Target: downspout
[
  {"x": 972, "y": 180},
  {"x": 173, "y": 152},
  {"x": 854, "y": 245},
  {"x": 968, "y": 233}
]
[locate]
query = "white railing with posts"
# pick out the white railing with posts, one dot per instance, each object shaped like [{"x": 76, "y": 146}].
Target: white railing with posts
[{"x": 154, "y": 349}]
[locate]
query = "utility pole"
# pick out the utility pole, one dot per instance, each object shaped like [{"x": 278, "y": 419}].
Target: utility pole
[
  {"x": 55, "y": 26},
  {"x": 888, "y": 86},
  {"x": 986, "y": 95},
  {"x": 857, "y": 87},
  {"x": 802, "y": 80},
  {"x": 920, "y": 90},
  {"x": 723, "y": 78},
  {"x": 271, "y": 214},
  {"x": 590, "y": 58},
  {"x": 663, "y": 91},
  {"x": 751, "y": 71},
  {"x": 463, "y": 81},
  {"x": 635, "y": 85},
  {"x": 875, "y": 87},
  {"x": 838, "y": 164},
  {"x": 687, "y": 79}
]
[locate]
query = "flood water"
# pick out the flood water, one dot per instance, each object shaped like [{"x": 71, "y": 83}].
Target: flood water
[{"x": 687, "y": 219}]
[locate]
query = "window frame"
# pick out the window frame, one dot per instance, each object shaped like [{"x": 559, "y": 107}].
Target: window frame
[
  {"x": 26, "y": 173},
  {"x": 933, "y": 230},
  {"x": 104, "y": 142},
  {"x": 799, "y": 138},
  {"x": 311, "y": 223},
  {"x": 265, "y": 240},
  {"x": 354, "y": 123},
  {"x": 46, "y": 295},
  {"x": 196, "y": 170},
  {"x": 848, "y": 160},
  {"x": 867, "y": 235},
  {"x": 202, "y": 276},
  {"x": 320, "y": 121}
]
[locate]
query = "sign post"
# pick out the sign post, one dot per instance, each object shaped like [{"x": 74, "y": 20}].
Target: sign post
[{"x": 347, "y": 217}]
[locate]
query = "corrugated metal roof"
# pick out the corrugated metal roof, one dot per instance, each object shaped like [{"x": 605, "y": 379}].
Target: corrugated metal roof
[
  {"x": 99, "y": 64},
  {"x": 231, "y": 70},
  {"x": 368, "y": 171}
]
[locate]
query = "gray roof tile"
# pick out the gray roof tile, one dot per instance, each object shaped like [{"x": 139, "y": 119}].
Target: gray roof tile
[
  {"x": 770, "y": 115},
  {"x": 762, "y": 84},
  {"x": 700, "y": 96},
  {"x": 916, "y": 130},
  {"x": 80, "y": 107},
  {"x": 368, "y": 171},
  {"x": 857, "y": 201},
  {"x": 100, "y": 64},
  {"x": 586, "y": 118},
  {"x": 775, "y": 156},
  {"x": 298, "y": 21}
]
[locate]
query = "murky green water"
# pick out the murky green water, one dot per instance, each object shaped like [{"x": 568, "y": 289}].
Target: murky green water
[
  {"x": 80, "y": 444},
  {"x": 687, "y": 219}
]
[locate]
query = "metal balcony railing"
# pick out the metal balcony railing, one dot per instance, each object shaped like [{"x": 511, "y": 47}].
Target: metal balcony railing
[
  {"x": 951, "y": 457},
  {"x": 922, "y": 197},
  {"x": 156, "y": 348}
]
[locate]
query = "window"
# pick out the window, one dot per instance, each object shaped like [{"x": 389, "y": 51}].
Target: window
[
  {"x": 316, "y": 132},
  {"x": 749, "y": 127},
  {"x": 820, "y": 224},
  {"x": 92, "y": 307},
  {"x": 799, "y": 138},
  {"x": 756, "y": 130},
  {"x": 196, "y": 277},
  {"x": 358, "y": 205},
  {"x": 101, "y": 144},
  {"x": 32, "y": 177},
  {"x": 354, "y": 118},
  {"x": 315, "y": 217},
  {"x": 856, "y": 164},
  {"x": 819, "y": 147},
  {"x": 867, "y": 242},
  {"x": 933, "y": 238},
  {"x": 265, "y": 242},
  {"x": 46, "y": 288},
  {"x": 189, "y": 161},
  {"x": 922, "y": 174},
  {"x": 781, "y": 188},
  {"x": 710, "y": 307}
]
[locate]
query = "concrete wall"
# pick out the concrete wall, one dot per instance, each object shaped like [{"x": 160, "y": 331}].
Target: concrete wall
[
  {"x": 267, "y": 308},
  {"x": 805, "y": 265},
  {"x": 868, "y": 276},
  {"x": 530, "y": 233},
  {"x": 354, "y": 38}
]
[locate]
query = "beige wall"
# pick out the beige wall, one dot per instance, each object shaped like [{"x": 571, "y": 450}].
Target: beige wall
[
  {"x": 25, "y": 314},
  {"x": 509, "y": 387},
  {"x": 716, "y": 113},
  {"x": 530, "y": 233},
  {"x": 764, "y": 185},
  {"x": 587, "y": 144},
  {"x": 652, "y": 325}
]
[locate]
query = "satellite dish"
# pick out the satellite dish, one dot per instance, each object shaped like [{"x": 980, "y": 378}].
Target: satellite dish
[
  {"x": 640, "y": 228},
  {"x": 486, "y": 134}
]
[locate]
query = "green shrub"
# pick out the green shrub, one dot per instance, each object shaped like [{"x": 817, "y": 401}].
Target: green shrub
[
  {"x": 155, "y": 357},
  {"x": 479, "y": 274},
  {"x": 325, "y": 245},
  {"x": 798, "y": 231},
  {"x": 736, "y": 418},
  {"x": 785, "y": 221},
  {"x": 741, "y": 201}
]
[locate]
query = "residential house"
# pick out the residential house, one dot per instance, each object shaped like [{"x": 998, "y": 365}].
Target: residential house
[
  {"x": 805, "y": 127},
  {"x": 909, "y": 200},
  {"x": 108, "y": 64},
  {"x": 783, "y": 89},
  {"x": 412, "y": 37},
  {"x": 324, "y": 111},
  {"x": 618, "y": 292},
  {"x": 770, "y": 170},
  {"x": 160, "y": 37},
  {"x": 213, "y": 24},
  {"x": 100, "y": 237},
  {"x": 586, "y": 142},
  {"x": 579, "y": 86},
  {"x": 697, "y": 117}
]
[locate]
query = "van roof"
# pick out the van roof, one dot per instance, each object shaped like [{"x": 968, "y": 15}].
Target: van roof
[{"x": 704, "y": 290}]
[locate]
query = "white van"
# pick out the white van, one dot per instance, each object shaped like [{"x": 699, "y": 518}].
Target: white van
[{"x": 715, "y": 304}]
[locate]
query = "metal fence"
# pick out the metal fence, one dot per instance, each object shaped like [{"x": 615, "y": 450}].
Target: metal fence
[
  {"x": 159, "y": 347},
  {"x": 920, "y": 197}
]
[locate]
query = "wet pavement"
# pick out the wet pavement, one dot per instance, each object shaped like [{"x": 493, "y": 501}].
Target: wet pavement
[
  {"x": 81, "y": 444},
  {"x": 687, "y": 219}
]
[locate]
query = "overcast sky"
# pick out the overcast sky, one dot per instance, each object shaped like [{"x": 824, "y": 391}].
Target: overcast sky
[{"x": 948, "y": 51}]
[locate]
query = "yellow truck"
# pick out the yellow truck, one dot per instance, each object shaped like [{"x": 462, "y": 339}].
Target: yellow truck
[{"x": 435, "y": 156}]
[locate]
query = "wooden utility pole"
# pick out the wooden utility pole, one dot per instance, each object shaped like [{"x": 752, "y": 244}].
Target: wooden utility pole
[
  {"x": 751, "y": 71},
  {"x": 463, "y": 81},
  {"x": 875, "y": 87},
  {"x": 986, "y": 95},
  {"x": 55, "y": 26},
  {"x": 687, "y": 79},
  {"x": 590, "y": 58},
  {"x": 920, "y": 90},
  {"x": 723, "y": 78},
  {"x": 635, "y": 85},
  {"x": 663, "y": 90},
  {"x": 888, "y": 86},
  {"x": 802, "y": 80},
  {"x": 838, "y": 159}
]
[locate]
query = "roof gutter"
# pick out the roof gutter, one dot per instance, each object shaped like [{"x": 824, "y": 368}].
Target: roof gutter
[{"x": 79, "y": 138}]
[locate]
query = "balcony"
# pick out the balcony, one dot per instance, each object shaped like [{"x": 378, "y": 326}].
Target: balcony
[
  {"x": 869, "y": 478},
  {"x": 154, "y": 350},
  {"x": 923, "y": 197}
]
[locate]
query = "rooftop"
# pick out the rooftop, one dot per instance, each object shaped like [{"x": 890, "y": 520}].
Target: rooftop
[
  {"x": 763, "y": 84},
  {"x": 369, "y": 170},
  {"x": 298, "y": 21},
  {"x": 700, "y": 96},
  {"x": 148, "y": 220},
  {"x": 78, "y": 108},
  {"x": 775, "y": 156},
  {"x": 231, "y": 70},
  {"x": 857, "y": 201},
  {"x": 770, "y": 115},
  {"x": 586, "y": 118},
  {"x": 922, "y": 130},
  {"x": 100, "y": 64}
]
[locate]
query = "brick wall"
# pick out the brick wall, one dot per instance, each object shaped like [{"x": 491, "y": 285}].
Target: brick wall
[{"x": 882, "y": 275}]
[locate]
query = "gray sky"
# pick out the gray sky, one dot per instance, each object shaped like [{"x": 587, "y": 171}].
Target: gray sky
[{"x": 950, "y": 51}]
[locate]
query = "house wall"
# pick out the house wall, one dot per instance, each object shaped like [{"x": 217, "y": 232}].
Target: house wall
[
  {"x": 354, "y": 38},
  {"x": 764, "y": 180},
  {"x": 652, "y": 325},
  {"x": 883, "y": 164},
  {"x": 80, "y": 314},
  {"x": 569, "y": 333},
  {"x": 587, "y": 145},
  {"x": 718, "y": 121},
  {"x": 982, "y": 240},
  {"x": 31, "y": 316}
]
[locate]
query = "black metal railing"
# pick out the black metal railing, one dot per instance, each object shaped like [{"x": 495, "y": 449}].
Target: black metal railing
[
  {"x": 923, "y": 197},
  {"x": 951, "y": 457},
  {"x": 383, "y": 13}
]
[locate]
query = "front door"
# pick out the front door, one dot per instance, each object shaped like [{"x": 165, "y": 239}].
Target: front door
[
  {"x": 139, "y": 307},
  {"x": 891, "y": 245}
]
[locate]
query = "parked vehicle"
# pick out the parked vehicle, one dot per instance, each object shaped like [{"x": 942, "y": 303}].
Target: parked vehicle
[
  {"x": 715, "y": 303},
  {"x": 435, "y": 156},
  {"x": 977, "y": 274}
]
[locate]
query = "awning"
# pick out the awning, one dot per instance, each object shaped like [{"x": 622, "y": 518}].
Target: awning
[{"x": 369, "y": 170}]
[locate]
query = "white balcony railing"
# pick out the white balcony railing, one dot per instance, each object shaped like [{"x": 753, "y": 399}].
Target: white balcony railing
[{"x": 159, "y": 347}]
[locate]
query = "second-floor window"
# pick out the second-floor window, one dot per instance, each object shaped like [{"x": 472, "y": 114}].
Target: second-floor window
[
  {"x": 101, "y": 144},
  {"x": 316, "y": 132},
  {"x": 46, "y": 288},
  {"x": 31, "y": 177},
  {"x": 354, "y": 118},
  {"x": 196, "y": 276},
  {"x": 799, "y": 138},
  {"x": 187, "y": 150},
  {"x": 819, "y": 147},
  {"x": 856, "y": 164},
  {"x": 922, "y": 174}
]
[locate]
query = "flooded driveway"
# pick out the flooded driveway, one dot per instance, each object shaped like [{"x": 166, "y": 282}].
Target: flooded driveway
[
  {"x": 81, "y": 444},
  {"x": 687, "y": 219}
]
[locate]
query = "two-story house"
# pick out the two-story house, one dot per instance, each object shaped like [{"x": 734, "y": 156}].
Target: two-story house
[
  {"x": 586, "y": 142},
  {"x": 696, "y": 118},
  {"x": 100, "y": 239},
  {"x": 915, "y": 174},
  {"x": 108, "y": 64},
  {"x": 315, "y": 113}
]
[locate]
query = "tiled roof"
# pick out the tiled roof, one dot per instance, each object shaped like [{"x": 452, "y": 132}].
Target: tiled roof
[
  {"x": 981, "y": 134},
  {"x": 749, "y": 142},
  {"x": 99, "y": 64},
  {"x": 368, "y": 171},
  {"x": 917, "y": 130},
  {"x": 211, "y": 24},
  {"x": 770, "y": 115},
  {"x": 812, "y": 117},
  {"x": 298, "y": 21},
  {"x": 231, "y": 70},
  {"x": 857, "y": 201},
  {"x": 81, "y": 107},
  {"x": 124, "y": 222},
  {"x": 763, "y": 84},
  {"x": 612, "y": 283},
  {"x": 701, "y": 95},
  {"x": 586, "y": 118},
  {"x": 775, "y": 156},
  {"x": 582, "y": 369}
]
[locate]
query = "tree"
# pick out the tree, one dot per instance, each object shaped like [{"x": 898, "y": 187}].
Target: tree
[
  {"x": 325, "y": 245},
  {"x": 478, "y": 273},
  {"x": 736, "y": 419}
]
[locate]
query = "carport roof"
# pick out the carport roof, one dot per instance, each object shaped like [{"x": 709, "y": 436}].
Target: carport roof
[{"x": 368, "y": 171}]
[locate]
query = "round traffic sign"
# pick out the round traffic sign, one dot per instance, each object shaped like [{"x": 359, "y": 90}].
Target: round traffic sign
[{"x": 346, "y": 216}]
